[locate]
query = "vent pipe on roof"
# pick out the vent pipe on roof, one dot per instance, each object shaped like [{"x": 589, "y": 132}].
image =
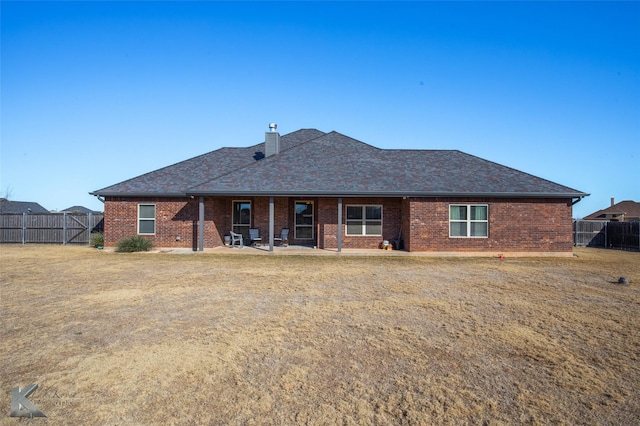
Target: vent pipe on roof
[{"x": 271, "y": 141}]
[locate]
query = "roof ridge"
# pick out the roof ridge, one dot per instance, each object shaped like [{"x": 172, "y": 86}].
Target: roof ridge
[
  {"x": 302, "y": 143},
  {"x": 200, "y": 156},
  {"x": 258, "y": 161}
]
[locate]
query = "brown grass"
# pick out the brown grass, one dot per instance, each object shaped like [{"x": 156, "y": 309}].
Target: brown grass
[{"x": 214, "y": 339}]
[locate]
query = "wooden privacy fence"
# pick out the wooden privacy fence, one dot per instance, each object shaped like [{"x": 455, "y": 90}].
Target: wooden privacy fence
[
  {"x": 599, "y": 233},
  {"x": 50, "y": 228}
]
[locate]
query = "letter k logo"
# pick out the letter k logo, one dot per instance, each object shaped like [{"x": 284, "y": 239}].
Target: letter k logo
[{"x": 21, "y": 406}]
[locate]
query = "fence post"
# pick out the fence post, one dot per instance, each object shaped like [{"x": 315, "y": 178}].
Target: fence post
[
  {"x": 64, "y": 228},
  {"x": 24, "y": 224}
]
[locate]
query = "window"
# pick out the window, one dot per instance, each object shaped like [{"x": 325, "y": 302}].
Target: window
[
  {"x": 146, "y": 218},
  {"x": 304, "y": 220},
  {"x": 364, "y": 220},
  {"x": 468, "y": 221},
  {"x": 242, "y": 217}
]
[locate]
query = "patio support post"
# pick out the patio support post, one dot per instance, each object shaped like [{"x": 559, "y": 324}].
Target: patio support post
[
  {"x": 201, "y": 224},
  {"x": 271, "y": 225},
  {"x": 339, "y": 225}
]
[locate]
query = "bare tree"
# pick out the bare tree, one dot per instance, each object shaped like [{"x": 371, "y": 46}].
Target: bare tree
[{"x": 7, "y": 194}]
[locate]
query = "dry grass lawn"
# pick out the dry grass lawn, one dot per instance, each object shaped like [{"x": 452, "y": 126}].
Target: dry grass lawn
[{"x": 154, "y": 339}]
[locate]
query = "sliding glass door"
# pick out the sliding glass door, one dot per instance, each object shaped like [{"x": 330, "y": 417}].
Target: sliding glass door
[
  {"x": 304, "y": 220},
  {"x": 242, "y": 217}
]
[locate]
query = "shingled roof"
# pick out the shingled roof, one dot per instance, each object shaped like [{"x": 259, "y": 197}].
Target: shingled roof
[
  {"x": 79, "y": 210},
  {"x": 311, "y": 162},
  {"x": 176, "y": 179},
  {"x": 627, "y": 210},
  {"x": 19, "y": 207}
]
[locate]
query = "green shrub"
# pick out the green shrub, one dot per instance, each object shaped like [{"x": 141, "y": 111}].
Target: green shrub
[
  {"x": 131, "y": 244},
  {"x": 97, "y": 239}
]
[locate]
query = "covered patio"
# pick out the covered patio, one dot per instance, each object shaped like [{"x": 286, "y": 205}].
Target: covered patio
[{"x": 321, "y": 221}]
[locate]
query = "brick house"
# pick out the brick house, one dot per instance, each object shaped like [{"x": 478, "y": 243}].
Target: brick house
[
  {"x": 334, "y": 192},
  {"x": 624, "y": 211}
]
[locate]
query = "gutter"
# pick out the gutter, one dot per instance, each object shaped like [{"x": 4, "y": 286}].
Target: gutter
[
  {"x": 578, "y": 199},
  {"x": 573, "y": 195},
  {"x": 140, "y": 194}
]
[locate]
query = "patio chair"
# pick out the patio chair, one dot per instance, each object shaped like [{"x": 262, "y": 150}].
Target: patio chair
[
  {"x": 254, "y": 236},
  {"x": 236, "y": 238},
  {"x": 284, "y": 237}
]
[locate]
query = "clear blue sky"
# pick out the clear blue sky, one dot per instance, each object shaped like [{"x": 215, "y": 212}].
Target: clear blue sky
[{"x": 94, "y": 93}]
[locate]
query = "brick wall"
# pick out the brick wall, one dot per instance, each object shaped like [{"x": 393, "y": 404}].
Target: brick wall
[
  {"x": 281, "y": 216},
  {"x": 176, "y": 220},
  {"x": 327, "y": 217},
  {"x": 517, "y": 225},
  {"x": 522, "y": 225}
]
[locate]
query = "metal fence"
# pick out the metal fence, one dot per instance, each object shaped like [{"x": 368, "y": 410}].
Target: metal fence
[
  {"x": 51, "y": 228},
  {"x": 615, "y": 235}
]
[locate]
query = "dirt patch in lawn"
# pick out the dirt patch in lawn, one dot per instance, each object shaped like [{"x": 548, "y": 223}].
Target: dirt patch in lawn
[{"x": 212, "y": 339}]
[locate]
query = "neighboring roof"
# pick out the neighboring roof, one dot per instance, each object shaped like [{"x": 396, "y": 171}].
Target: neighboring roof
[
  {"x": 79, "y": 209},
  {"x": 627, "y": 208},
  {"x": 19, "y": 207},
  {"x": 311, "y": 162}
]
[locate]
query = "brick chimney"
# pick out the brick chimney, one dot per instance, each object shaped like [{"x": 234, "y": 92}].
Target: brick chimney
[
  {"x": 613, "y": 201},
  {"x": 271, "y": 141}
]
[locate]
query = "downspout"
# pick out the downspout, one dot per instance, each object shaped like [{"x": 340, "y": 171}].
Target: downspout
[{"x": 573, "y": 203}]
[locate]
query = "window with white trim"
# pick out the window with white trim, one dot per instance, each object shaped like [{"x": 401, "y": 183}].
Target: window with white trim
[
  {"x": 468, "y": 220},
  {"x": 147, "y": 219},
  {"x": 364, "y": 220}
]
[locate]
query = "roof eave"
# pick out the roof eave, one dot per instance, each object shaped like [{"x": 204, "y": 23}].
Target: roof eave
[
  {"x": 392, "y": 194},
  {"x": 138, "y": 194}
]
